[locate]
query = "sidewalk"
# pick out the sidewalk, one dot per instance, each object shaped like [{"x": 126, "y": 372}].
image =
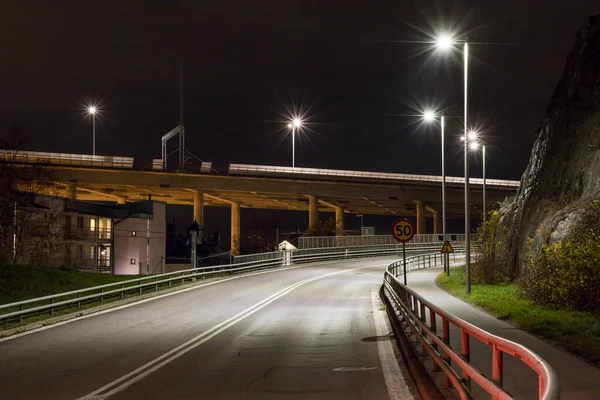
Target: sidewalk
[{"x": 578, "y": 380}]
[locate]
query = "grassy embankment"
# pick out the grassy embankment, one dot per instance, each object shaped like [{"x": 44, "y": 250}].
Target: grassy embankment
[{"x": 577, "y": 332}]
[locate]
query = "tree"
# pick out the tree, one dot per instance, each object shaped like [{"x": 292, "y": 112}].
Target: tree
[{"x": 30, "y": 219}]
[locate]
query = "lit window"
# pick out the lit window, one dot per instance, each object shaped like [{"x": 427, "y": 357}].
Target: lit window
[
  {"x": 92, "y": 225},
  {"x": 132, "y": 261},
  {"x": 133, "y": 234}
]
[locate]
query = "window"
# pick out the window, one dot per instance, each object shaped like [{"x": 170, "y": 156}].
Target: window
[
  {"x": 132, "y": 261},
  {"x": 133, "y": 233},
  {"x": 93, "y": 225},
  {"x": 93, "y": 252}
]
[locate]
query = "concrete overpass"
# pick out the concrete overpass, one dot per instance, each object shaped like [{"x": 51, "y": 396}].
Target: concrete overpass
[{"x": 94, "y": 178}]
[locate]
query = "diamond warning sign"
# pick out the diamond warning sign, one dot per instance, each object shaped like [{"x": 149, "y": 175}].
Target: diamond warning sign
[{"x": 447, "y": 248}]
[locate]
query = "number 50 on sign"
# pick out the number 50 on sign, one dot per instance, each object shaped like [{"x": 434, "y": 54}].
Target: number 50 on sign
[{"x": 403, "y": 230}]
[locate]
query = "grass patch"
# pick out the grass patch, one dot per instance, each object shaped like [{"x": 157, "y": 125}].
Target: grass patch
[
  {"x": 577, "y": 332},
  {"x": 19, "y": 282}
]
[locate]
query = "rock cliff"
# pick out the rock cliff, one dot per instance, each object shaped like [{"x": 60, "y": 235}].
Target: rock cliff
[{"x": 563, "y": 175}]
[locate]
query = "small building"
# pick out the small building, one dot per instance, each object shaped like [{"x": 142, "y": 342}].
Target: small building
[{"x": 103, "y": 237}]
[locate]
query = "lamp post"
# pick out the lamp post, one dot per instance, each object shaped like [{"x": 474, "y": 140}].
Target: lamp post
[
  {"x": 446, "y": 42},
  {"x": 475, "y": 146},
  {"x": 92, "y": 111},
  {"x": 429, "y": 116},
  {"x": 296, "y": 123},
  {"x": 361, "y": 223}
]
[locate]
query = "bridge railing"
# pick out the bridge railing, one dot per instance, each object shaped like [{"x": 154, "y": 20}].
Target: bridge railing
[
  {"x": 422, "y": 318},
  {"x": 310, "y": 242},
  {"x": 76, "y": 299}
]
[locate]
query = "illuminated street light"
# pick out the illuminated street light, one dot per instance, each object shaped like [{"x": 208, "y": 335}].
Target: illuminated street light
[
  {"x": 295, "y": 124},
  {"x": 444, "y": 42},
  {"x": 429, "y": 116},
  {"x": 92, "y": 110}
]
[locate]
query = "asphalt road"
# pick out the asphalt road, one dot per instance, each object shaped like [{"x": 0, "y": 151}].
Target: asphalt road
[{"x": 313, "y": 332}]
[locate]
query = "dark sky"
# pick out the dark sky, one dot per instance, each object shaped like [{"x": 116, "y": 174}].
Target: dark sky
[{"x": 246, "y": 61}]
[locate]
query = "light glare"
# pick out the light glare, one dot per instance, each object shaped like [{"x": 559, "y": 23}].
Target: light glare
[
  {"x": 290, "y": 125},
  {"x": 472, "y": 135},
  {"x": 444, "y": 42},
  {"x": 474, "y": 146},
  {"x": 92, "y": 110},
  {"x": 428, "y": 116},
  {"x": 297, "y": 122}
]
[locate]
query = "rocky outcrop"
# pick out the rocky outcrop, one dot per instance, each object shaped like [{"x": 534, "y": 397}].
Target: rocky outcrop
[{"x": 563, "y": 175}]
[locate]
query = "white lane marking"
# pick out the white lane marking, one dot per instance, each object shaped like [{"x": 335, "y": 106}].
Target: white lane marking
[
  {"x": 150, "y": 367},
  {"x": 394, "y": 378},
  {"x": 135, "y": 303},
  {"x": 353, "y": 369}
]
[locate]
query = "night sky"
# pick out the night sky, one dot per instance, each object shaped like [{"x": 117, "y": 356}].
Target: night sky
[{"x": 347, "y": 64}]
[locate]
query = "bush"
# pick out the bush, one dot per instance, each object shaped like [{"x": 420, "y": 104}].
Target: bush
[
  {"x": 491, "y": 247},
  {"x": 566, "y": 274}
]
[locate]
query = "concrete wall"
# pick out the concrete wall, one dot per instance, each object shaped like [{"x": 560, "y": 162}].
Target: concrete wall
[{"x": 140, "y": 244}]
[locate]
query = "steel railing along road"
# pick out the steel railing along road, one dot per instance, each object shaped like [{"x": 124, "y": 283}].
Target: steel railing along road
[
  {"x": 415, "y": 310},
  {"x": 75, "y": 299}
]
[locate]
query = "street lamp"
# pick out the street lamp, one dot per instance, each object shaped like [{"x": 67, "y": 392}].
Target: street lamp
[
  {"x": 429, "y": 116},
  {"x": 296, "y": 123},
  {"x": 92, "y": 110},
  {"x": 475, "y": 146},
  {"x": 446, "y": 42}
]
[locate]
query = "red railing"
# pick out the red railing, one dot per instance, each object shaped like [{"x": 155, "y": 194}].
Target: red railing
[{"x": 416, "y": 311}]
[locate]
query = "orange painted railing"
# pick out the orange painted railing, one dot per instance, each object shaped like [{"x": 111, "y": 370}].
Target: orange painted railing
[{"x": 417, "y": 311}]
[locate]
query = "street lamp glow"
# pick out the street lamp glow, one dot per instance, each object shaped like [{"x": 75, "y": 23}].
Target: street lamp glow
[
  {"x": 428, "y": 116},
  {"x": 472, "y": 135},
  {"x": 92, "y": 110},
  {"x": 290, "y": 125},
  {"x": 474, "y": 145},
  {"x": 444, "y": 42},
  {"x": 297, "y": 122}
]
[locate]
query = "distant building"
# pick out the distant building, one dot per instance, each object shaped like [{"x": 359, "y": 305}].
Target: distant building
[{"x": 95, "y": 236}]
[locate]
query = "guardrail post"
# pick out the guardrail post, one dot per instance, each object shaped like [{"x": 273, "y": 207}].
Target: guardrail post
[
  {"x": 446, "y": 339},
  {"x": 101, "y": 297},
  {"x": 21, "y": 308},
  {"x": 122, "y": 291},
  {"x": 156, "y": 285},
  {"x": 51, "y": 308},
  {"x": 497, "y": 362},
  {"x": 433, "y": 326},
  {"x": 78, "y": 303},
  {"x": 169, "y": 280},
  {"x": 464, "y": 350},
  {"x": 429, "y": 260},
  {"x": 139, "y": 283},
  {"x": 423, "y": 318}
]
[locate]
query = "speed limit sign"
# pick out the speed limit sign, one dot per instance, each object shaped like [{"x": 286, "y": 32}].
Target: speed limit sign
[{"x": 403, "y": 230}]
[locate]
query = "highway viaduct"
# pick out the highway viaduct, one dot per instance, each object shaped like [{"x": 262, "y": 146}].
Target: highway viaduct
[{"x": 402, "y": 199}]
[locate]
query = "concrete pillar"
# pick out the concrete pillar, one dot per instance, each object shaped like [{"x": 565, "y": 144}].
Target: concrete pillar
[
  {"x": 437, "y": 223},
  {"x": 313, "y": 213},
  {"x": 235, "y": 229},
  {"x": 72, "y": 191},
  {"x": 420, "y": 217},
  {"x": 199, "y": 208},
  {"x": 339, "y": 221}
]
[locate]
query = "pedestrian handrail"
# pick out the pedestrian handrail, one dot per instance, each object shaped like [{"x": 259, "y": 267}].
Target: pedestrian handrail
[
  {"x": 415, "y": 310},
  {"x": 76, "y": 298}
]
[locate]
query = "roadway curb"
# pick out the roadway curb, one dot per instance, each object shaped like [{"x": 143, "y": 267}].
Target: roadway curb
[{"x": 425, "y": 384}]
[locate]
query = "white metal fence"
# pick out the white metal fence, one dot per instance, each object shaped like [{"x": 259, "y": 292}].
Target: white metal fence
[{"x": 312, "y": 242}]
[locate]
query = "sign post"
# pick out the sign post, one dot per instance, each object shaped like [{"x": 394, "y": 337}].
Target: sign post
[
  {"x": 446, "y": 250},
  {"x": 403, "y": 231}
]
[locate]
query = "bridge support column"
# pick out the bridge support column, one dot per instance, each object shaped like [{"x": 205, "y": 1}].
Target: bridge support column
[
  {"x": 420, "y": 217},
  {"x": 199, "y": 208},
  {"x": 339, "y": 221},
  {"x": 313, "y": 213},
  {"x": 72, "y": 191},
  {"x": 235, "y": 229},
  {"x": 436, "y": 223}
]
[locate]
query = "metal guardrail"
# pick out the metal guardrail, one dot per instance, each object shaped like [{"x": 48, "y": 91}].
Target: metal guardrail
[
  {"x": 309, "y": 242},
  {"x": 49, "y": 304},
  {"x": 415, "y": 310}
]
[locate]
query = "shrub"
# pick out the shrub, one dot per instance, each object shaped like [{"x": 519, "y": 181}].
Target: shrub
[
  {"x": 566, "y": 274},
  {"x": 491, "y": 246}
]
